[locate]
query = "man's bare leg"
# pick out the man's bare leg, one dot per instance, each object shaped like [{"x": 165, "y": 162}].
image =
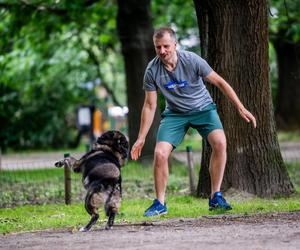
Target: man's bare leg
[
  {"x": 161, "y": 169},
  {"x": 217, "y": 141}
]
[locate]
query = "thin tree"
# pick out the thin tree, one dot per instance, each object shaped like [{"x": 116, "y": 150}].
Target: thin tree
[{"x": 234, "y": 40}]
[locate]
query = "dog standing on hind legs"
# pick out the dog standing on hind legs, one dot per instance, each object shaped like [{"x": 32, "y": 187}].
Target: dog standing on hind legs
[{"x": 101, "y": 175}]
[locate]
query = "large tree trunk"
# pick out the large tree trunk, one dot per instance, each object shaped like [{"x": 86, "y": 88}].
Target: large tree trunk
[
  {"x": 288, "y": 95},
  {"x": 135, "y": 31},
  {"x": 234, "y": 39}
]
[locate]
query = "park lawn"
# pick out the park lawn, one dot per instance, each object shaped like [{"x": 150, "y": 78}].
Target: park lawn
[{"x": 71, "y": 217}]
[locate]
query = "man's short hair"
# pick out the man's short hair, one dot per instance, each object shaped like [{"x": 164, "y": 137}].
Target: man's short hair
[{"x": 160, "y": 32}]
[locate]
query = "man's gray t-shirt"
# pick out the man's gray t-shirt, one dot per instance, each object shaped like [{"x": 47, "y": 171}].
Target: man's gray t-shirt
[{"x": 182, "y": 88}]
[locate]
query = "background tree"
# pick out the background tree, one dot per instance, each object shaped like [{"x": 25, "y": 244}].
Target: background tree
[
  {"x": 234, "y": 40},
  {"x": 285, "y": 36}
]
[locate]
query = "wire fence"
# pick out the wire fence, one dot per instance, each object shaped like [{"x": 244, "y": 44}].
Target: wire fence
[{"x": 33, "y": 178}]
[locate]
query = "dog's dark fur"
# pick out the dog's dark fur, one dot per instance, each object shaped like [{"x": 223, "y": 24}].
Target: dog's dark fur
[{"x": 101, "y": 175}]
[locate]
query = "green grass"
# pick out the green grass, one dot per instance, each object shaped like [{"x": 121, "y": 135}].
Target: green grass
[{"x": 31, "y": 218}]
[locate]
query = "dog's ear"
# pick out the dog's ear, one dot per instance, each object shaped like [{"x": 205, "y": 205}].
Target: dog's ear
[
  {"x": 106, "y": 138},
  {"x": 122, "y": 145},
  {"x": 116, "y": 140}
]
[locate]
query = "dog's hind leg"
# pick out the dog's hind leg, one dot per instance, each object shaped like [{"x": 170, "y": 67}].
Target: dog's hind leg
[
  {"x": 92, "y": 201},
  {"x": 112, "y": 206},
  {"x": 111, "y": 219},
  {"x": 90, "y": 224}
]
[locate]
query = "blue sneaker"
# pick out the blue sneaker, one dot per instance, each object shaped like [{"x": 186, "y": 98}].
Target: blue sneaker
[
  {"x": 218, "y": 202},
  {"x": 156, "y": 209}
]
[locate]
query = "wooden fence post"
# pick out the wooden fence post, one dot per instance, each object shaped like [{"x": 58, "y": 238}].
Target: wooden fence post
[
  {"x": 67, "y": 174},
  {"x": 191, "y": 169}
]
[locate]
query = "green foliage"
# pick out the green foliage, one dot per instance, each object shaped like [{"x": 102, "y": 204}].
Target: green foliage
[
  {"x": 285, "y": 20},
  {"x": 49, "y": 64},
  {"x": 181, "y": 16},
  {"x": 52, "y": 54},
  {"x": 47, "y": 83}
]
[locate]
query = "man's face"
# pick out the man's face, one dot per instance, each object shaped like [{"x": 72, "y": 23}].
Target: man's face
[{"x": 165, "y": 47}]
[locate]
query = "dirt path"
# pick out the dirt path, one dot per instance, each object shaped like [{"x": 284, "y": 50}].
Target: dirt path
[{"x": 271, "y": 231}]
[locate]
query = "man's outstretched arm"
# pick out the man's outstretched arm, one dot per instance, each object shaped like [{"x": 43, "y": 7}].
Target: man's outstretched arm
[
  {"x": 227, "y": 90},
  {"x": 147, "y": 117}
]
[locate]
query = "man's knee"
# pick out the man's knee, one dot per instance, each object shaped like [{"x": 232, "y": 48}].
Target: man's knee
[
  {"x": 219, "y": 145},
  {"x": 162, "y": 152},
  {"x": 161, "y": 155},
  {"x": 217, "y": 141}
]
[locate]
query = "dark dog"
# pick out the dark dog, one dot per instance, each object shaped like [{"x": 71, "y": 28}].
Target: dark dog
[{"x": 101, "y": 175}]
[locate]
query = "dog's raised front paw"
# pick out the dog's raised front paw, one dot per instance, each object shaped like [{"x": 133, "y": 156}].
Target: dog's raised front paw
[{"x": 59, "y": 164}]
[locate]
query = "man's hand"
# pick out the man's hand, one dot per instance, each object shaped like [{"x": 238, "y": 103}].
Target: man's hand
[
  {"x": 137, "y": 149},
  {"x": 247, "y": 116}
]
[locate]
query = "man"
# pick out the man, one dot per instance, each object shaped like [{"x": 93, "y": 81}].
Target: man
[{"x": 178, "y": 75}]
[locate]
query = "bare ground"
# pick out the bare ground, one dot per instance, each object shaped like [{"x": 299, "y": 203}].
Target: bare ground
[{"x": 260, "y": 231}]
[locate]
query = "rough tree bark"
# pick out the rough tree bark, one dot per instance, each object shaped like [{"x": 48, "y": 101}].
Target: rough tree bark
[
  {"x": 288, "y": 102},
  {"x": 234, "y": 40},
  {"x": 135, "y": 31}
]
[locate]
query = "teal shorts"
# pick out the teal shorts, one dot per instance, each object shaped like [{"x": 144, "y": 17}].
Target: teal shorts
[{"x": 174, "y": 125}]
